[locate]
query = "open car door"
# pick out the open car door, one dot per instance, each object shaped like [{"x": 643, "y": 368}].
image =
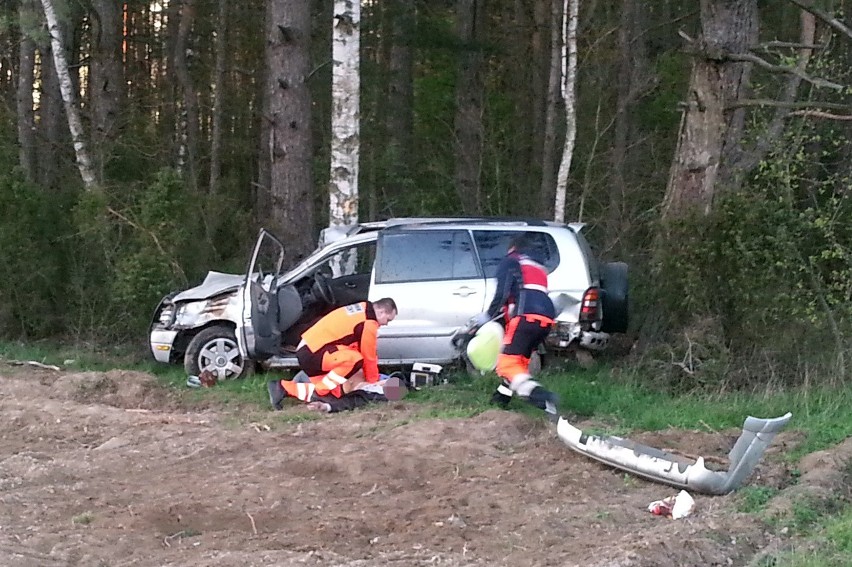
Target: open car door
[{"x": 260, "y": 334}]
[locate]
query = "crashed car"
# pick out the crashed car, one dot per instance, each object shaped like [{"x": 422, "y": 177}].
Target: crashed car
[{"x": 439, "y": 271}]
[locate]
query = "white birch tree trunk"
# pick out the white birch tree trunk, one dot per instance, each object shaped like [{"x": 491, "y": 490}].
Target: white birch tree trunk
[
  {"x": 345, "y": 114},
  {"x": 69, "y": 98},
  {"x": 569, "y": 95}
]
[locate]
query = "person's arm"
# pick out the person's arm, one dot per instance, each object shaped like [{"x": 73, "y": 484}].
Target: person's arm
[
  {"x": 369, "y": 335},
  {"x": 507, "y": 274}
]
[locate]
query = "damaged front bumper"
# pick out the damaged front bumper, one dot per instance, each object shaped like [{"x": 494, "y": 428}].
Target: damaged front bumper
[{"x": 659, "y": 466}]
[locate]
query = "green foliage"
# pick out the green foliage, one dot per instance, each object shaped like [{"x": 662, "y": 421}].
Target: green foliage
[
  {"x": 31, "y": 266},
  {"x": 754, "y": 498},
  {"x": 167, "y": 241}
]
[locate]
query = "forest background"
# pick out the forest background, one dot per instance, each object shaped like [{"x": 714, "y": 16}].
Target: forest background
[{"x": 712, "y": 154}]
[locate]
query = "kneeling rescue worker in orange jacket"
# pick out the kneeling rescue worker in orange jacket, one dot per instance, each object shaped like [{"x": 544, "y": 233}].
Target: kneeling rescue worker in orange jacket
[
  {"x": 337, "y": 353},
  {"x": 521, "y": 300}
]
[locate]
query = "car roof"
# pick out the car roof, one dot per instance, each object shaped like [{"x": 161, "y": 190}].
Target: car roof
[{"x": 335, "y": 233}]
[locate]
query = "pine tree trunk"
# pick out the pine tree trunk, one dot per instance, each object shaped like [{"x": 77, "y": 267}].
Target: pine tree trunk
[
  {"x": 400, "y": 110},
  {"x": 633, "y": 79},
  {"x": 569, "y": 95},
  {"x": 188, "y": 122},
  {"x": 469, "y": 94},
  {"x": 106, "y": 80},
  {"x": 288, "y": 200},
  {"x": 345, "y": 115},
  {"x": 218, "y": 96},
  {"x": 69, "y": 98},
  {"x": 547, "y": 191},
  {"x": 727, "y": 26},
  {"x": 24, "y": 96}
]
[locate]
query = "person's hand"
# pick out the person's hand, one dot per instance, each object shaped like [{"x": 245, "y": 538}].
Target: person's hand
[
  {"x": 480, "y": 320},
  {"x": 464, "y": 334}
]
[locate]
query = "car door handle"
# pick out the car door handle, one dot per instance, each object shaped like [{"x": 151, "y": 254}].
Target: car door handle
[
  {"x": 464, "y": 291},
  {"x": 350, "y": 285}
]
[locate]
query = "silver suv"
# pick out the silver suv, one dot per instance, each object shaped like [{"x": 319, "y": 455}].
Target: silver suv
[{"x": 440, "y": 273}]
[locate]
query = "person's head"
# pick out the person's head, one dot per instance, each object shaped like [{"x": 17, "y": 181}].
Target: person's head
[
  {"x": 520, "y": 243},
  {"x": 385, "y": 309}
]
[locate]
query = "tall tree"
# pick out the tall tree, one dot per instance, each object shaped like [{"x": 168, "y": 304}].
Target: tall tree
[
  {"x": 547, "y": 190},
  {"x": 470, "y": 16},
  {"x": 571, "y": 11},
  {"x": 285, "y": 198},
  {"x": 632, "y": 80},
  {"x": 69, "y": 98},
  {"x": 26, "y": 81},
  {"x": 218, "y": 113},
  {"x": 345, "y": 113},
  {"x": 106, "y": 78},
  {"x": 399, "y": 122},
  {"x": 711, "y": 119},
  {"x": 188, "y": 131}
]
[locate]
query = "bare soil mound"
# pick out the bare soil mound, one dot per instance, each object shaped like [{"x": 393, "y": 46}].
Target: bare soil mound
[{"x": 111, "y": 469}]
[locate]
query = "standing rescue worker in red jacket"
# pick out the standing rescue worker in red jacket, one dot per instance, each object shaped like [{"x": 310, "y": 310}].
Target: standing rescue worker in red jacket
[
  {"x": 337, "y": 353},
  {"x": 521, "y": 297}
]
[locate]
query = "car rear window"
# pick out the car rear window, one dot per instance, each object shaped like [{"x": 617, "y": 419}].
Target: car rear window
[
  {"x": 493, "y": 244},
  {"x": 426, "y": 255}
]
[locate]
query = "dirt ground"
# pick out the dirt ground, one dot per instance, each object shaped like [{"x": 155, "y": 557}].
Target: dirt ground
[{"x": 111, "y": 469}]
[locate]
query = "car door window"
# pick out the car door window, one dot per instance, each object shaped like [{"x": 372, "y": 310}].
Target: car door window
[
  {"x": 493, "y": 244},
  {"x": 426, "y": 255},
  {"x": 351, "y": 261}
]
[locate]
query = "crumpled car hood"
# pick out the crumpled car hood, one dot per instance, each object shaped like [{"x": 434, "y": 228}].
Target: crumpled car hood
[{"x": 215, "y": 283}]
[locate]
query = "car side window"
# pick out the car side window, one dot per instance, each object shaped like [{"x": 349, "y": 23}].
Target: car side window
[
  {"x": 426, "y": 255},
  {"x": 351, "y": 261},
  {"x": 493, "y": 244}
]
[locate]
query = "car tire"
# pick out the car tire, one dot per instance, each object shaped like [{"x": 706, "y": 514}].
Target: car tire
[
  {"x": 615, "y": 297},
  {"x": 215, "y": 349}
]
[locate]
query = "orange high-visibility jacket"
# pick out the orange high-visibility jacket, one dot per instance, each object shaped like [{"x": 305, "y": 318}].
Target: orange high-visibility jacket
[{"x": 352, "y": 326}]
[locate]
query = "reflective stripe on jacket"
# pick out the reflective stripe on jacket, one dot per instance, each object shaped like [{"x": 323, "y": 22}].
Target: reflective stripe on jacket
[
  {"x": 522, "y": 282},
  {"x": 352, "y": 326}
]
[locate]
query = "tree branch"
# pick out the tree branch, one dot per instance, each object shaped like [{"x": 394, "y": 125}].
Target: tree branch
[
  {"x": 764, "y": 64},
  {"x": 802, "y": 105},
  {"x": 821, "y": 114},
  {"x": 787, "y": 44},
  {"x": 824, "y": 16}
]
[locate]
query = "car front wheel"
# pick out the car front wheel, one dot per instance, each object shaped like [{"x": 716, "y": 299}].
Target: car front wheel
[{"x": 215, "y": 349}]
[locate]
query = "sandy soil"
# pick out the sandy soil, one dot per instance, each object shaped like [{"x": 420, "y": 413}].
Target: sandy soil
[{"x": 110, "y": 469}]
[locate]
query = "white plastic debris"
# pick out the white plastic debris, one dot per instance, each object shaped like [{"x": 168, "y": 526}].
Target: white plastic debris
[
  {"x": 683, "y": 506},
  {"x": 674, "y": 507}
]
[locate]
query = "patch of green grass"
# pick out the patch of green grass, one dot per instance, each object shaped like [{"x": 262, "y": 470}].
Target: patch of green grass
[
  {"x": 83, "y": 519},
  {"x": 754, "y": 498}
]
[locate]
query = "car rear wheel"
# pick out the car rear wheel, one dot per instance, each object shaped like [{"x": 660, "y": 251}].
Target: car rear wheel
[
  {"x": 215, "y": 349},
  {"x": 615, "y": 297}
]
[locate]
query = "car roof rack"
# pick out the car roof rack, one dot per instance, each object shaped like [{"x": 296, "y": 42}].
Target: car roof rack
[{"x": 433, "y": 221}]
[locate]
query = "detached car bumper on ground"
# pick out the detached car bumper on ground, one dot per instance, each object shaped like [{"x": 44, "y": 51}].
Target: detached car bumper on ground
[{"x": 440, "y": 272}]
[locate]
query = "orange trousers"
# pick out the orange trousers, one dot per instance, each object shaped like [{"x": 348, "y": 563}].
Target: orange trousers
[{"x": 523, "y": 335}]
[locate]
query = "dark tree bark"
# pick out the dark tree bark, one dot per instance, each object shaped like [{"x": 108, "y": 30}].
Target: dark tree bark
[
  {"x": 189, "y": 123},
  {"x": 547, "y": 191},
  {"x": 400, "y": 103},
  {"x": 633, "y": 79},
  {"x": 286, "y": 198},
  {"x": 106, "y": 80},
  {"x": 218, "y": 96},
  {"x": 24, "y": 96},
  {"x": 469, "y": 95},
  {"x": 51, "y": 133},
  {"x": 709, "y": 127}
]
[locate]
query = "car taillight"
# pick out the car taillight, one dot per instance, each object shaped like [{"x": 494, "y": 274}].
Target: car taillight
[{"x": 590, "y": 306}]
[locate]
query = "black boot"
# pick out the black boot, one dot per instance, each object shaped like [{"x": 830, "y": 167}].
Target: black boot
[
  {"x": 545, "y": 400},
  {"x": 503, "y": 395}
]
